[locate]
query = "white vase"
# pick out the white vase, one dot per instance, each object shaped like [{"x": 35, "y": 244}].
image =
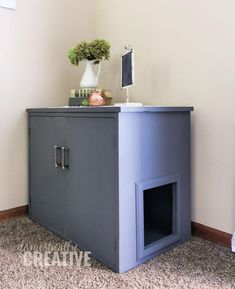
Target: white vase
[{"x": 89, "y": 79}]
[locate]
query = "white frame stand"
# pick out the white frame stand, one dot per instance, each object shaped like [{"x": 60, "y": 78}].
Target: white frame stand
[{"x": 128, "y": 103}]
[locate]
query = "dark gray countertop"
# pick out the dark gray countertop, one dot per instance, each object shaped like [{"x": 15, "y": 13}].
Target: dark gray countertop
[{"x": 145, "y": 108}]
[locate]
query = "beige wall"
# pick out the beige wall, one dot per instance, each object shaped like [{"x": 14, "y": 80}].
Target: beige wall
[
  {"x": 185, "y": 55},
  {"x": 34, "y": 72}
]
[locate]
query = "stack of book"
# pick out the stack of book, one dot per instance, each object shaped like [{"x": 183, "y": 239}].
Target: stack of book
[{"x": 80, "y": 97}]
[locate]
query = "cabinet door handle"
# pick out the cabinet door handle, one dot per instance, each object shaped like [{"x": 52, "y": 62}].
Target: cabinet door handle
[
  {"x": 65, "y": 158},
  {"x": 57, "y": 152}
]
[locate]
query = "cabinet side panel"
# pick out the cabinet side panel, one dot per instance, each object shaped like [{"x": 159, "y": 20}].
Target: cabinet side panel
[{"x": 151, "y": 146}]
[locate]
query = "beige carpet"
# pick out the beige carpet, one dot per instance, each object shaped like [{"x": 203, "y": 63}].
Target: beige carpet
[{"x": 196, "y": 264}]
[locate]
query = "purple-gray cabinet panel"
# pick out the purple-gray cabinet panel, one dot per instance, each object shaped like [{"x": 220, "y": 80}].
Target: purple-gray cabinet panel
[
  {"x": 46, "y": 184},
  {"x": 91, "y": 186},
  {"x": 151, "y": 145}
]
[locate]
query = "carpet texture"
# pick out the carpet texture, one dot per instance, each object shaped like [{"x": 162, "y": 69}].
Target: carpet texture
[{"x": 197, "y": 264}]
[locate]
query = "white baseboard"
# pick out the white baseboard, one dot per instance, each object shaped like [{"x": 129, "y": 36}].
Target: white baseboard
[{"x": 233, "y": 243}]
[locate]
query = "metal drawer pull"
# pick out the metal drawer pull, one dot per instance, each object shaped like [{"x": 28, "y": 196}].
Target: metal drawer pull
[
  {"x": 57, "y": 151},
  {"x": 65, "y": 158}
]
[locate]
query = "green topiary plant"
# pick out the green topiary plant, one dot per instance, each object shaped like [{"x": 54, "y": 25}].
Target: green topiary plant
[{"x": 98, "y": 49}]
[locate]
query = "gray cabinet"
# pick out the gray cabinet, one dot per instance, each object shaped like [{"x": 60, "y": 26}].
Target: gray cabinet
[{"x": 115, "y": 181}]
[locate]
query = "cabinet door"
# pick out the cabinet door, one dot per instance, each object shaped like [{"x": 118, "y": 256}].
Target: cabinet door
[
  {"x": 91, "y": 185},
  {"x": 46, "y": 180}
]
